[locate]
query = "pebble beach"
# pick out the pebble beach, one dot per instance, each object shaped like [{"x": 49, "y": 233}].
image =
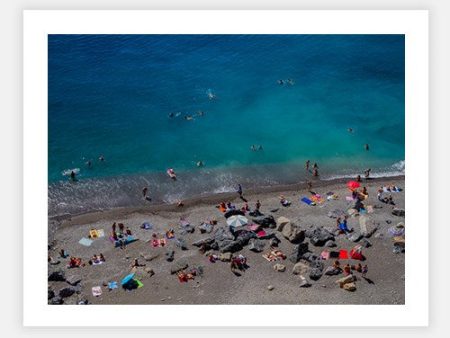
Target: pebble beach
[{"x": 302, "y": 274}]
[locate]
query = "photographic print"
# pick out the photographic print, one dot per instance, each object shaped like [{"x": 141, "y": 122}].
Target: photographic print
[{"x": 226, "y": 169}]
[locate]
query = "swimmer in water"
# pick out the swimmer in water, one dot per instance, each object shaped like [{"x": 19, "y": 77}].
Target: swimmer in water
[
  {"x": 307, "y": 165},
  {"x": 200, "y": 113},
  {"x": 253, "y": 147},
  {"x": 101, "y": 158},
  {"x": 280, "y": 82},
  {"x": 188, "y": 118},
  {"x": 366, "y": 146},
  {"x": 260, "y": 147},
  {"x": 350, "y": 130},
  {"x": 171, "y": 115},
  {"x": 89, "y": 163},
  {"x": 290, "y": 81},
  {"x": 200, "y": 164}
]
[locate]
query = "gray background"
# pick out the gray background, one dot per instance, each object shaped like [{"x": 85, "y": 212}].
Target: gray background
[{"x": 11, "y": 164}]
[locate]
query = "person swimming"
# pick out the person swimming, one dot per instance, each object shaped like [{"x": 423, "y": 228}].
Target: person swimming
[
  {"x": 171, "y": 115},
  {"x": 366, "y": 146},
  {"x": 200, "y": 164}
]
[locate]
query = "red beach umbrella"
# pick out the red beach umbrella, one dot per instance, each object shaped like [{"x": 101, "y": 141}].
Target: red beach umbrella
[{"x": 352, "y": 185}]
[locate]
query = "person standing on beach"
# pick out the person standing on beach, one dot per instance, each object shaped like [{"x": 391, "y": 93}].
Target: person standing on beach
[
  {"x": 307, "y": 165},
  {"x": 73, "y": 176},
  {"x": 144, "y": 192},
  {"x": 239, "y": 190},
  {"x": 364, "y": 271},
  {"x": 258, "y": 205},
  {"x": 367, "y": 173}
]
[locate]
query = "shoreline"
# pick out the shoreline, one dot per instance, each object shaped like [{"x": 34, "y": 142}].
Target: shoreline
[{"x": 213, "y": 198}]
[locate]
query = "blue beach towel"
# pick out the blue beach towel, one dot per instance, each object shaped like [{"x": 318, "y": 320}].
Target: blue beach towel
[
  {"x": 112, "y": 285},
  {"x": 307, "y": 201}
]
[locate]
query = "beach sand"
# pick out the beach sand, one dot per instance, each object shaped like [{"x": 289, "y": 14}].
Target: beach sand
[{"x": 219, "y": 285}]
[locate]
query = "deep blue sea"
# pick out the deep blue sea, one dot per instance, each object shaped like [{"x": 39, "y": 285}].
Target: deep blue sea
[{"x": 114, "y": 95}]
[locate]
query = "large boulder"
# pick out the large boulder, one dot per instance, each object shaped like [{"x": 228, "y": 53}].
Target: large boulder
[
  {"x": 318, "y": 236},
  {"x": 332, "y": 271},
  {"x": 57, "y": 276},
  {"x": 315, "y": 273},
  {"x": 73, "y": 280},
  {"x": 233, "y": 212},
  {"x": 256, "y": 245},
  {"x": 222, "y": 234},
  {"x": 181, "y": 243},
  {"x": 293, "y": 233},
  {"x": 244, "y": 237},
  {"x": 279, "y": 267},
  {"x": 265, "y": 221},
  {"x": 274, "y": 241},
  {"x": 203, "y": 241},
  {"x": 398, "y": 212},
  {"x": 66, "y": 292},
  {"x": 230, "y": 246},
  {"x": 301, "y": 268},
  {"x": 56, "y": 300},
  {"x": 206, "y": 227},
  {"x": 281, "y": 222},
  {"x": 298, "y": 251}
]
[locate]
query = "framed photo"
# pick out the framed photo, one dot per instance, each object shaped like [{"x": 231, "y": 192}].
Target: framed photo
[{"x": 226, "y": 168}]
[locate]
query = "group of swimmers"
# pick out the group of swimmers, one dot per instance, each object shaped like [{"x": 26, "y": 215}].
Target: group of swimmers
[
  {"x": 187, "y": 117},
  {"x": 256, "y": 147},
  {"x": 73, "y": 173},
  {"x": 289, "y": 82}
]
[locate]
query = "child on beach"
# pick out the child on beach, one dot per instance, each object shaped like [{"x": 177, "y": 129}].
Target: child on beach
[{"x": 364, "y": 271}]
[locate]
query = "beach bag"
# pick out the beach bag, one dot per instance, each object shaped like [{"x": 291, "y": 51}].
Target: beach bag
[{"x": 356, "y": 253}]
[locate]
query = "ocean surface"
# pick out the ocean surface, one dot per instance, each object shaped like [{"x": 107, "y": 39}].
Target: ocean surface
[{"x": 147, "y": 103}]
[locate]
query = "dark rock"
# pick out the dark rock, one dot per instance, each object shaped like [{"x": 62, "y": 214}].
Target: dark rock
[
  {"x": 203, "y": 241},
  {"x": 51, "y": 294},
  {"x": 170, "y": 255},
  {"x": 388, "y": 221},
  {"x": 73, "y": 280},
  {"x": 57, "y": 276},
  {"x": 233, "y": 212},
  {"x": 274, "y": 241},
  {"x": 317, "y": 264},
  {"x": 66, "y": 292},
  {"x": 244, "y": 237},
  {"x": 256, "y": 213},
  {"x": 318, "y": 236},
  {"x": 332, "y": 271},
  {"x": 398, "y": 212},
  {"x": 265, "y": 221},
  {"x": 178, "y": 266},
  {"x": 181, "y": 243},
  {"x": 330, "y": 244},
  {"x": 298, "y": 251},
  {"x": 275, "y": 210},
  {"x": 310, "y": 257},
  {"x": 222, "y": 234},
  {"x": 206, "y": 228},
  {"x": 230, "y": 246},
  {"x": 187, "y": 229},
  {"x": 315, "y": 274},
  {"x": 56, "y": 301},
  {"x": 256, "y": 245}
]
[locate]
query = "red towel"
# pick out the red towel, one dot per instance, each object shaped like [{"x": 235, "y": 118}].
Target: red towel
[{"x": 343, "y": 254}]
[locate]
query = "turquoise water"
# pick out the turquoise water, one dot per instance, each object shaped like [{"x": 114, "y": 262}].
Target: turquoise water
[{"x": 112, "y": 96}]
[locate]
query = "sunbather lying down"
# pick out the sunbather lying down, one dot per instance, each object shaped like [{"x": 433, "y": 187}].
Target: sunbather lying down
[
  {"x": 274, "y": 255},
  {"x": 284, "y": 202}
]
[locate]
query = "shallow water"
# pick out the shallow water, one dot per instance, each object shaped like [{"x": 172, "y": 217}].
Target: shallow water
[{"x": 111, "y": 96}]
